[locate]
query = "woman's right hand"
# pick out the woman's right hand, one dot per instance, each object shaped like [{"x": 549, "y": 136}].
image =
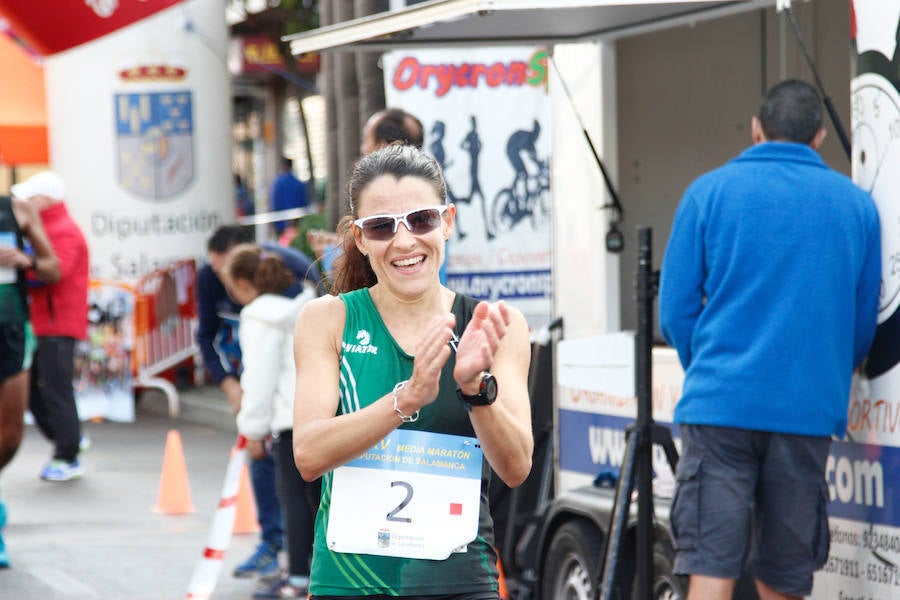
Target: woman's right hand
[{"x": 432, "y": 353}]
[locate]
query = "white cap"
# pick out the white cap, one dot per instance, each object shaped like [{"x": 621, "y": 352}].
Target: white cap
[{"x": 45, "y": 183}]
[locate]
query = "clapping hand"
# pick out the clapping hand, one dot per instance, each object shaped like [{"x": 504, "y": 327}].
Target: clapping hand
[
  {"x": 432, "y": 353},
  {"x": 480, "y": 341}
]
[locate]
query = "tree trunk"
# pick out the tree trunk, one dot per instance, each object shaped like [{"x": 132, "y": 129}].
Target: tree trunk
[
  {"x": 353, "y": 85},
  {"x": 347, "y": 99},
  {"x": 368, "y": 71},
  {"x": 329, "y": 90}
]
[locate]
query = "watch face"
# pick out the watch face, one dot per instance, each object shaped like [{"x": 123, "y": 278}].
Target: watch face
[{"x": 489, "y": 387}]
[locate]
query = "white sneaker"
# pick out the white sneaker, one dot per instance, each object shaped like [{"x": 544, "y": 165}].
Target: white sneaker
[{"x": 60, "y": 470}]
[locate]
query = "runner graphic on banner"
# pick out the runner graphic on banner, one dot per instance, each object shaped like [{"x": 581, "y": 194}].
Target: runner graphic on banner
[{"x": 486, "y": 116}]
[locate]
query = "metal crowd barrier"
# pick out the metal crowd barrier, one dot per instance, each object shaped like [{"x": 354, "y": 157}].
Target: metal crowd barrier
[{"x": 165, "y": 321}]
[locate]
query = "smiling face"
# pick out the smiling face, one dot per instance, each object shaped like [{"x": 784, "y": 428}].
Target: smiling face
[{"x": 407, "y": 264}]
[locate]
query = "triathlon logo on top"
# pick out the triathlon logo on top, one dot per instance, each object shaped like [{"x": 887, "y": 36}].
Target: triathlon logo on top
[
  {"x": 364, "y": 345},
  {"x": 155, "y": 138}
]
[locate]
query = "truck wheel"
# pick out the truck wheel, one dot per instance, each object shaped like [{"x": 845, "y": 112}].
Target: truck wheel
[
  {"x": 573, "y": 562},
  {"x": 666, "y": 584}
]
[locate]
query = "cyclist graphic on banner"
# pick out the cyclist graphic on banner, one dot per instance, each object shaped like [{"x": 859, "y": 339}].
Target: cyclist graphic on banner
[{"x": 527, "y": 194}]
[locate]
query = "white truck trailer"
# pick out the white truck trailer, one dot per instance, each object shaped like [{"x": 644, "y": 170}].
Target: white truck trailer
[{"x": 665, "y": 91}]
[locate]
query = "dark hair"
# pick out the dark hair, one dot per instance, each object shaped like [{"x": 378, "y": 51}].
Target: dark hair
[
  {"x": 352, "y": 270},
  {"x": 287, "y": 163},
  {"x": 226, "y": 237},
  {"x": 397, "y": 125},
  {"x": 266, "y": 271},
  {"x": 791, "y": 112}
]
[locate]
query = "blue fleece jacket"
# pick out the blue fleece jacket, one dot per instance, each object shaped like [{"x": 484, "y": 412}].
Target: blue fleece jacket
[{"x": 769, "y": 292}]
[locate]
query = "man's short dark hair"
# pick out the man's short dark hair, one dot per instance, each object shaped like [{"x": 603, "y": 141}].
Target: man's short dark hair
[
  {"x": 791, "y": 112},
  {"x": 397, "y": 125},
  {"x": 227, "y": 237}
]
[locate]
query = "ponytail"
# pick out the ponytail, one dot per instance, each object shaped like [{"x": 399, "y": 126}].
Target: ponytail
[{"x": 352, "y": 270}]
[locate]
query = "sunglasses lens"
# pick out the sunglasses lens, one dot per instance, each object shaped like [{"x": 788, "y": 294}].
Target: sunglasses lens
[
  {"x": 424, "y": 221},
  {"x": 378, "y": 228}
]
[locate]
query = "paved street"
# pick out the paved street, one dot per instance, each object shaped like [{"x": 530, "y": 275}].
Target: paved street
[{"x": 98, "y": 537}]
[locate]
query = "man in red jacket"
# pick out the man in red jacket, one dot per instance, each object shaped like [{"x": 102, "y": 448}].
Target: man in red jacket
[{"x": 59, "y": 318}]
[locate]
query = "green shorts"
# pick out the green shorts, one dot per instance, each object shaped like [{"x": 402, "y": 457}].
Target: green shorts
[{"x": 17, "y": 347}]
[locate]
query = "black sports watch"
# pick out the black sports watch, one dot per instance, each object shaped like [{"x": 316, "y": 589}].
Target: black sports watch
[{"x": 487, "y": 392}]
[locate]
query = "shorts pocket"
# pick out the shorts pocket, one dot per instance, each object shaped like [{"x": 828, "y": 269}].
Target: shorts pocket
[
  {"x": 685, "y": 513},
  {"x": 822, "y": 539}
]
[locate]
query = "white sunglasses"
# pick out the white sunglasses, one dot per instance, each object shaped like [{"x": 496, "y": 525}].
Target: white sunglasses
[{"x": 419, "y": 221}]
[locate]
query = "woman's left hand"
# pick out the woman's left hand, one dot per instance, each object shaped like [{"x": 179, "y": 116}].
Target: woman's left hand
[
  {"x": 480, "y": 341},
  {"x": 496, "y": 340}
]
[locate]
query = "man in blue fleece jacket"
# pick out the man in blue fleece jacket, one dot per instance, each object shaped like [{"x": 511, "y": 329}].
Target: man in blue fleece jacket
[{"x": 769, "y": 292}]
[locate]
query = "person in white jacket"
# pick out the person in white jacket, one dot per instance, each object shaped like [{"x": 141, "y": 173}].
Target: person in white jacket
[{"x": 256, "y": 279}]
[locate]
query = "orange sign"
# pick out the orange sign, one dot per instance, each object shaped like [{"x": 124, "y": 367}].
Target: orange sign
[{"x": 256, "y": 54}]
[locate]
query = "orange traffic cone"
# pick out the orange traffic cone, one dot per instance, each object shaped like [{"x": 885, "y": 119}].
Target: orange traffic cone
[
  {"x": 503, "y": 592},
  {"x": 174, "y": 491},
  {"x": 245, "y": 520}
]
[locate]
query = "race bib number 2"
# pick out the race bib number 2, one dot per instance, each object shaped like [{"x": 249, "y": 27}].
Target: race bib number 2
[{"x": 415, "y": 494}]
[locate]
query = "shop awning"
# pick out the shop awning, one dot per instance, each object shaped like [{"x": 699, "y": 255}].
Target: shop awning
[
  {"x": 492, "y": 22},
  {"x": 23, "y": 113}
]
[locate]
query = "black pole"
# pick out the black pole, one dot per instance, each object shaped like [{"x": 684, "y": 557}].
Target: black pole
[
  {"x": 637, "y": 468},
  {"x": 607, "y": 180},
  {"x": 643, "y": 386},
  {"x": 829, "y": 106}
]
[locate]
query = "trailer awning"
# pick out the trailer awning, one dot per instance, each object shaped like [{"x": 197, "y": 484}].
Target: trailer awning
[{"x": 492, "y": 22}]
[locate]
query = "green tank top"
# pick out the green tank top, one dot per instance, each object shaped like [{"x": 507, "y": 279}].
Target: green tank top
[
  {"x": 371, "y": 364},
  {"x": 12, "y": 307}
]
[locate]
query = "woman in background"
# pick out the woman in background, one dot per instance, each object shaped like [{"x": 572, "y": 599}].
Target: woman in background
[{"x": 257, "y": 280}]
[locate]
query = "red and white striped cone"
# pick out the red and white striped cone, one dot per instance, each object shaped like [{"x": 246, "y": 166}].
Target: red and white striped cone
[{"x": 206, "y": 573}]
